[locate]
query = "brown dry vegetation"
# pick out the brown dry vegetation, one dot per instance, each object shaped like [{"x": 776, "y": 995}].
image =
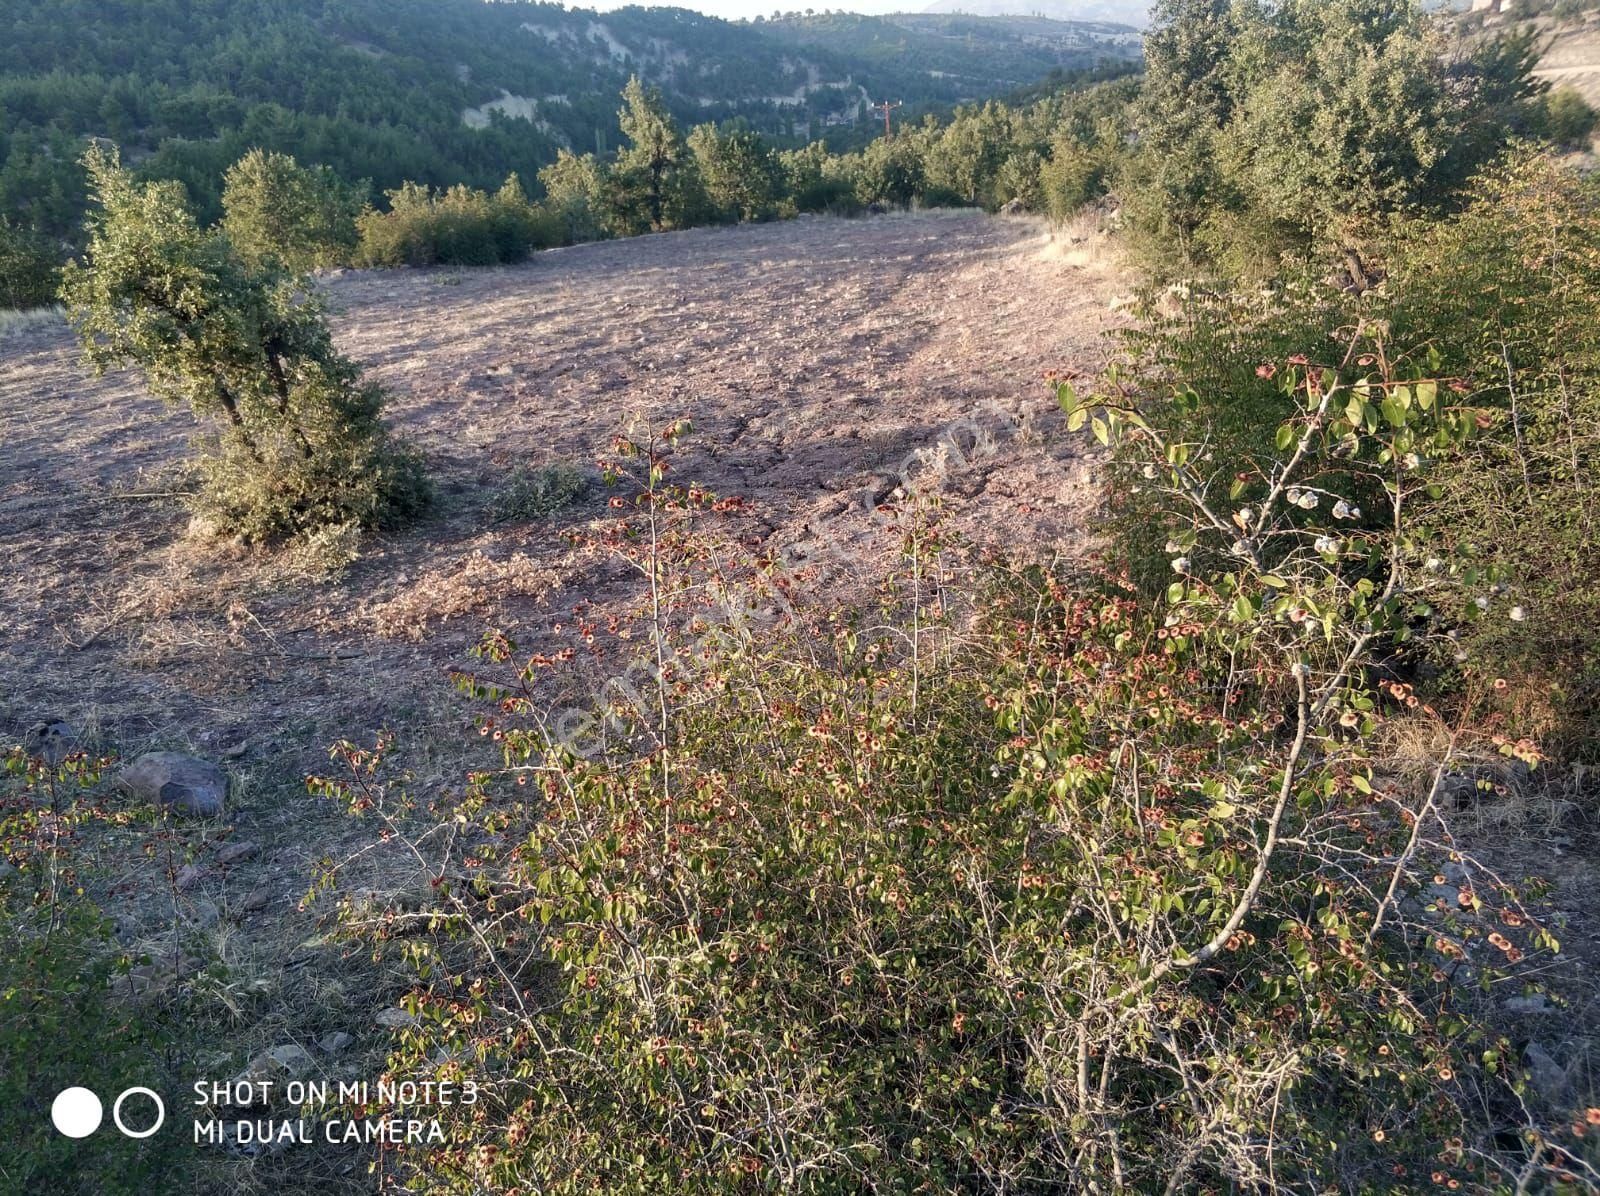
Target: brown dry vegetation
[{"x": 813, "y": 356}]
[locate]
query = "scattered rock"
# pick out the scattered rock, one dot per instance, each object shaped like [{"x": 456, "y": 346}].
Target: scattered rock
[
  {"x": 189, "y": 876},
  {"x": 1014, "y": 207},
  {"x": 7, "y": 870},
  {"x": 395, "y": 1019},
  {"x": 50, "y": 740},
  {"x": 183, "y": 784},
  {"x": 1547, "y": 1077},
  {"x": 157, "y": 978},
  {"x": 205, "y": 915},
  {"x": 233, "y": 853},
  {"x": 237, "y": 750},
  {"x": 1537, "y": 1003},
  {"x": 257, "y": 900},
  {"x": 288, "y": 1062},
  {"x": 335, "y": 1043}
]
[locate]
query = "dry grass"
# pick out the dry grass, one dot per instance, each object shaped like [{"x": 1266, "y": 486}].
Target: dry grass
[{"x": 13, "y": 321}]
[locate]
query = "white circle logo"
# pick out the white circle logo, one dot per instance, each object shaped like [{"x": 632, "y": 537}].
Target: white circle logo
[
  {"x": 76, "y": 1112},
  {"x": 116, "y": 1113}
]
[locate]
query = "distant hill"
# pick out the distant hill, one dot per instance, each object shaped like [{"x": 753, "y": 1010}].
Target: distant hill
[
  {"x": 1122, "y": 12},
  {"x": 446, "y": 91}
]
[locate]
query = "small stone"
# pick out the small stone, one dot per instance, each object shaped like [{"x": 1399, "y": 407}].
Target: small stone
[
  {"x": 257, "y": 900},
  {"x": 233, "y": 853},
  {"x": 50, "y": 740},
  {"x": 1547, "y": 1077},
  {"x": 395, "y": 1019},
  {"x": 1537, "y": 1003},
  {"x": 335, "y": 1043},
  {"x": 237, "y": 750},
  {"x": 7, "y": 870},
  {"x": 189, "y": 876},
  {"x": 289, "y": 1061},
  {"x": 183, "y": 784}
]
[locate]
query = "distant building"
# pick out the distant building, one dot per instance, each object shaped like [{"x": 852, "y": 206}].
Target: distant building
[{"x": 1494, "y": 6}]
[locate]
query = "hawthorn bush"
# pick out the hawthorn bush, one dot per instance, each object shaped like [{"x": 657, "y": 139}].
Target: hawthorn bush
[
  {"x": 1503, "y": 297},
  {"x": 1081, "y": 891}
]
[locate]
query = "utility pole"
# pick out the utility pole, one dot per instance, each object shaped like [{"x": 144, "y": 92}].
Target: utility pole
[{"x": 886, "y": 107}]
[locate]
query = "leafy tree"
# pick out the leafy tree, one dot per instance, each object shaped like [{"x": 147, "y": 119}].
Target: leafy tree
[
  {"x": 1264, "y": 129},
  {"x": 301, "y": 216},
  {"x": 968, "y": 154},
  {"x": 739, "y": 171},
  {"x": 574, "y": 189},
  {"x": 893, "y": 171},
  {"x": 300, "y": 443},
  {"x": 817, "y": 181}
]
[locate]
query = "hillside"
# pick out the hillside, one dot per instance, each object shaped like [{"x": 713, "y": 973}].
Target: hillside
[
  {"x": 445, "y": 91},
  {"x": 1126, "y": 12}
]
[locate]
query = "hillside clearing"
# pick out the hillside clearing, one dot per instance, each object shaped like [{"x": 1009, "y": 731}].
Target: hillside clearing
[{"x": 815, "y": 357}]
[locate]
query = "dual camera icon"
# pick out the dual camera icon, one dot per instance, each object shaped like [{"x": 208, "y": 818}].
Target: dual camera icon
[{"x": 77, "y": 1112}]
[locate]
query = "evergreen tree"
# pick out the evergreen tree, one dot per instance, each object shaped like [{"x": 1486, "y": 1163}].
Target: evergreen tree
[
  {"x": 300, "y": 441},
  {"x": 647, "y": 185}
]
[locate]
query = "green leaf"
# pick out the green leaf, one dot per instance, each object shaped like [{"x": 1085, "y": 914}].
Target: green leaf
[
  {"x": 1078, "y": 417},
  {"x": 1067, "y": 397},
  {"x": 1285, "y": 437}
]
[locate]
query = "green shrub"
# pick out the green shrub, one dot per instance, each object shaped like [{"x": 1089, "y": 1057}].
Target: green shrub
[
  {"x": 537, "y": 493},
  {"x": 1568, "y": 120},
  {"x": 1101, "y": 893},
  {"x": 457, "y": 227},
  {"x": 1508, "y": 294},
  {"x": 740, "y": 172},
  {"x": 574, "y": 191},
  {"x": 29, "y": 268},
  {"x": 1071, "y": 179},
  {"x": 302, "y": 217},
  {"x": 300, "y": 443},
  {"x": 61, "y": 1023},
  {"x": 818, "y": 181}
]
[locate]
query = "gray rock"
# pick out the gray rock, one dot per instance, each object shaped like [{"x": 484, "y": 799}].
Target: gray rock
[
  {"x": 288, "y": 1062},
  {"x": 234, "y": 852},
  {"x": 335, "y": 1043},
  {"x": 257, "y": 899},
  {"x": 395, "y": 1019},
  {"x": 189, "y": 876},
  {"x": 182, "y": 784},
  {"x": 1537, "y": 1003},
  {"x": 50, "y": 740},
  {"x": 1546, "y": 1076}
]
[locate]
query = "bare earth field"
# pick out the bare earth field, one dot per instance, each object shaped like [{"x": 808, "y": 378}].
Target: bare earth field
[{"x": 815, "y": 358}]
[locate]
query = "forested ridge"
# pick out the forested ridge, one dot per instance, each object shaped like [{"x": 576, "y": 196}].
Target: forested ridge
[{"x": 377, "y": 90}]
